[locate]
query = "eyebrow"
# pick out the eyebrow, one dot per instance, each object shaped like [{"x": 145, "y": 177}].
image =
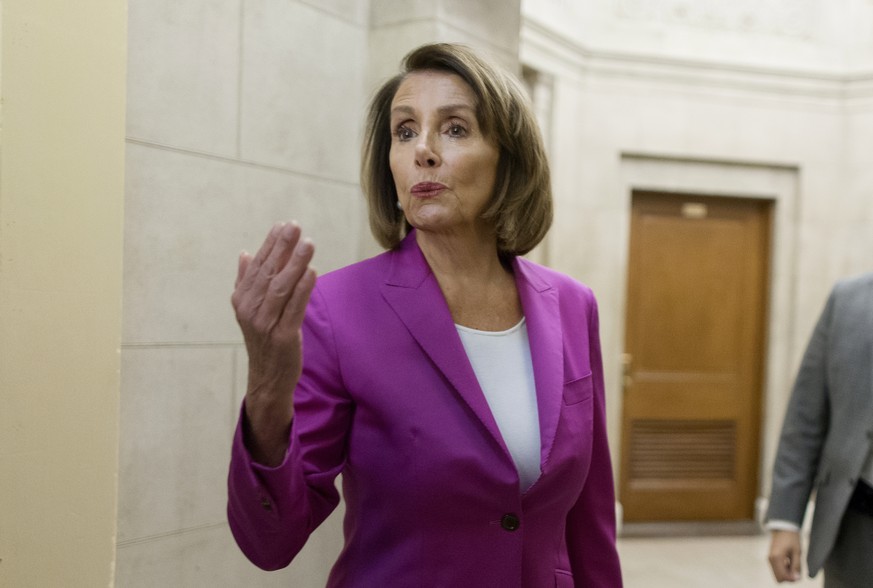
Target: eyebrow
[{"x": 443, "y": 110}]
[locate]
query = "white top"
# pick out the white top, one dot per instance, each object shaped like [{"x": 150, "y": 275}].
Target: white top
[{"x": 503, "y": 366}]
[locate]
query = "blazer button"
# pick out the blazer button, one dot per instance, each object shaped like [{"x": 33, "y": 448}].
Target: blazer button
[
  {"x": 510, "y": 522},
  {"x": 266, "y": 504}
]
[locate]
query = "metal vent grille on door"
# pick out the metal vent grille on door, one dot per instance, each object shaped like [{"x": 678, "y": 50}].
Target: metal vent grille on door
[{"x": 678, "y": 449}]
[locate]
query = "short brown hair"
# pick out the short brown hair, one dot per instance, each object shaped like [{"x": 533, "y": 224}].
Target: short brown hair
[{"x": 521, "y": 206}]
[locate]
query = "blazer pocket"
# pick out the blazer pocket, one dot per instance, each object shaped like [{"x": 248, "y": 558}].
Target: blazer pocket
[{"x": 579, "y": 389}]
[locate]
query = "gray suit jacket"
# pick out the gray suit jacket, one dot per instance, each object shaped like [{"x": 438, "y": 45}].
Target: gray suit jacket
[{"x": 828, "y": 427}]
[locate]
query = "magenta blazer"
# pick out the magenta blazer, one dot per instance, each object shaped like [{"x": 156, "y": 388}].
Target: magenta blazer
[{"x": 389, "y": 400}]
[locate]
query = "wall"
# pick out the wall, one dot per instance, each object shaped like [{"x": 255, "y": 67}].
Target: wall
[
  {"x": 758, "y": 99},
  {"x": 62, "y": 90},
  {"x": 245, "y": 112}
]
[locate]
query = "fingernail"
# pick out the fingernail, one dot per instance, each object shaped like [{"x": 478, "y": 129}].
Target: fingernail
[{"x": 305, "y": 247}]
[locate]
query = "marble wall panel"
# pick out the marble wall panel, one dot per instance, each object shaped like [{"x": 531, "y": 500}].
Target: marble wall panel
[
  {"x": 302, "y": 89},
  {"x": 496, "y": 22},
  {"x": 392, "y": 12},
  {"x": 859, "y": 172},
  {"x": 859, "y": 131},
  {"x": 188, "y": 218},
  {"x": 241, "y": 363},
  {"x": 490, "y": 27},
  {"x": 353, "y": 11},
  {"x": 183, "y": 74},
  {"x": 850, "y": 247},
  {"x": 848, "y": 200},
  {"x": 175, "y": 442},
  {"x": 208, "y": 556},
  {"x": 389, "y": 44}
]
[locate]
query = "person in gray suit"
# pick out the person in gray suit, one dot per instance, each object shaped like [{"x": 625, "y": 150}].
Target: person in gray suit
[{"x": 827, "y": 444}]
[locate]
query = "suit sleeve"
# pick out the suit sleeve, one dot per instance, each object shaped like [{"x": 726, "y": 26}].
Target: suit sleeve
[
  {"x": 272, "y": 511},
  {"x": 804, "y": 429},
  {"x": 591, "y": 521}
]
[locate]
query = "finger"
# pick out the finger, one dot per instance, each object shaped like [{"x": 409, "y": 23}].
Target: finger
[
  {"x": 776, "y": 566},
  {"x": 269, "y": 242},
  {"x": 786, "y": 568},
  {"x": 286, "y": 240},
  {"x": 242, "y": 264},
  {"x": 794, "y": 566},
  {"x": 266, "y": 249},
  {"x": 780, "y": 571},
  {"x": 780, "y": 563},
  {"x": 283, "y": 284},
  {"x": 295, "y": 309},
  {"x": 249, "y": 292}
]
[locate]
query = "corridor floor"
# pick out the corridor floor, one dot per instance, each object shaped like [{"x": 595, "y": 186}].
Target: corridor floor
[{"x": 700, "y": 562}]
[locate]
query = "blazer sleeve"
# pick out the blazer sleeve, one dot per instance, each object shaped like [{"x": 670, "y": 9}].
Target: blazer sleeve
[
  {"x": 591, "y": 521},
  {"x": 272, "y": 511},
  {"x": 804, "y": 429}
]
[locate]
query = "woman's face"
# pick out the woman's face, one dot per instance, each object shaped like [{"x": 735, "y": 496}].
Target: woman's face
[{"x": 444, "y": 168}]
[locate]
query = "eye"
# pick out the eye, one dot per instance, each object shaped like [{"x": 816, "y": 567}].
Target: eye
[
  {"x": 404, "y": 133},
  {"x": 457, "y": 130}
]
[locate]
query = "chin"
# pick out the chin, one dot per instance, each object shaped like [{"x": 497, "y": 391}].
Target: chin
[{"x": 430, "y": 222}]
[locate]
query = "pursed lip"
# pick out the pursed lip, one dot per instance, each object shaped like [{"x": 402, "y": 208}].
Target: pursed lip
[{"x": 427, "y": 189}]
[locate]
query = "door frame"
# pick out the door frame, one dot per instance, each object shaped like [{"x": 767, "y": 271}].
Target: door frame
[{"x": 700, "y": 177}]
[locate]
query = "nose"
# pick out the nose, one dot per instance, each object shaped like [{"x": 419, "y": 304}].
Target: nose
[{"x": 426, "y": 152}]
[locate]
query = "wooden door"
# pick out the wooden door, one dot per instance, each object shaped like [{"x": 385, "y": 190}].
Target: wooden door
[{"x": 697, "y": 291}]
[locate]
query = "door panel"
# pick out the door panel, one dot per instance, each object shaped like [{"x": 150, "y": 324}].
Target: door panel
[{"x": 694, "y": 354}]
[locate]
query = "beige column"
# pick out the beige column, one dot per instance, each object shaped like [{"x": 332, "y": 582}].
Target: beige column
[{"x": 62, "y": 84}]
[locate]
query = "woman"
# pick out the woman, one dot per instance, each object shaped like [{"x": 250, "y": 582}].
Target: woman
[{"x": 457, "y": 387}]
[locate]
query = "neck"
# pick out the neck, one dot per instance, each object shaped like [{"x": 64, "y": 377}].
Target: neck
[
  {"x": 479, "y": 290},
  {"x": 465, "y": 256}
]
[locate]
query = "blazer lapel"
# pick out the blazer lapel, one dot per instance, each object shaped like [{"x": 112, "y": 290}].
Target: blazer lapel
[
  {"x": 539, "y": 300},
  {"x": 413, "y": 293}
]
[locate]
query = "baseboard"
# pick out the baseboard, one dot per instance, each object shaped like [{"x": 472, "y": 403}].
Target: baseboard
[{"x": 743, "y": 528}]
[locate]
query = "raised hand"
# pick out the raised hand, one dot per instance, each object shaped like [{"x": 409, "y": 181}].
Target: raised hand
[{"x": 269, "y": 299}]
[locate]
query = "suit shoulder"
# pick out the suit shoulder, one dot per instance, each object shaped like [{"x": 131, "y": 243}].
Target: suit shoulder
[
  {"x": 542, "y": 276},
  {"x": 355, "y": 276}
]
